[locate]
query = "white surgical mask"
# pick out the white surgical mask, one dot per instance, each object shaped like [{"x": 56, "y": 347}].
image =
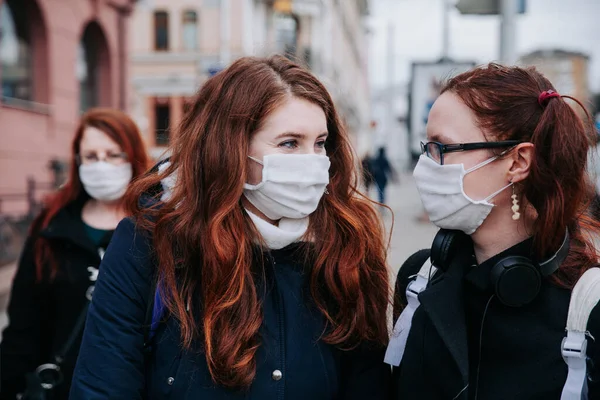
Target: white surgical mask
[
  {"x": 104, "y": 181},
  {"x": 444, "y": 198},
  {"x": 292, "y": 185}
]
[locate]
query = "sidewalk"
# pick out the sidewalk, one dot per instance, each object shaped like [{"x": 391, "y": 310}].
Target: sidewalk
[
  {"x": 7, "y": 273},
  {"x": 409, "y": 235}
]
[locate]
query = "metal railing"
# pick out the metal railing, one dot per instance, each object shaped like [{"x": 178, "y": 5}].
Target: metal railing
[
  {"x": 30, "y": 196},
  {"x": 13, "y": 228}
]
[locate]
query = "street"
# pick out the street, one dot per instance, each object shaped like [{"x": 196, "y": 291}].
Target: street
[{"x": 408, "y": 234}]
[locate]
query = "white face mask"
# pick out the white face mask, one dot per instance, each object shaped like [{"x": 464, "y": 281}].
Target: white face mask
[
  {"x": 104, "y": 181},
  {"x": 292, "y": 185},
  {"x": 443, "y": 196}
]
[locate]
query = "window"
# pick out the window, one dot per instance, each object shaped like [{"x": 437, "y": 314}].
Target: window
[
  {"x": 15, "y": 51},
  {"x": 86, "y": 70},
  {"x": 92, "y": 69},
  {"x": 162, "y": 111},
  {"x": 190, "y": 30},
  {"x": 161, "y": 30},
  {"x": 286, "y": 28}
]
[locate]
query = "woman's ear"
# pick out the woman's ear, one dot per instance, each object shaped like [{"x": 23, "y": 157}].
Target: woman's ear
[{"x": 522, "y": 157}]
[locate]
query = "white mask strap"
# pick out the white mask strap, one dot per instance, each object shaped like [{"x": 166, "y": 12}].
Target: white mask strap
[
  {"x": 488, "y": 161},
  {"x": 487, "y": 199},
  {"x": 256, "y": 160},
  {"x": 481, "y": 165}
]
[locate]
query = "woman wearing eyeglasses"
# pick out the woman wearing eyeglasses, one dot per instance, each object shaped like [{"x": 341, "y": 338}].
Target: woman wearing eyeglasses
[
  {"x": 59, "y": 264},
  {"x": 484, "y": 311}
]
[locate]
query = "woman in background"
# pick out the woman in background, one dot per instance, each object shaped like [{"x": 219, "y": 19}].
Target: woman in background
[{"x": 58, "y": 268}]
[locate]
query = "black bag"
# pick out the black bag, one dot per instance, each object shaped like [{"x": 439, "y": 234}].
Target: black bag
[{"x": 41, "y": 383}]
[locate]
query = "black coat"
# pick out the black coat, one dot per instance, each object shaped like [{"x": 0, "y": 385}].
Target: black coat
[
  {"x": 292, "y": 362},
  {"x": 519, "y": 355},
  {"x": 42, "y": 314}
]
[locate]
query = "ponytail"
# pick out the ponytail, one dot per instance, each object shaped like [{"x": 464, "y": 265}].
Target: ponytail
[{"x": 559, "y": 188}]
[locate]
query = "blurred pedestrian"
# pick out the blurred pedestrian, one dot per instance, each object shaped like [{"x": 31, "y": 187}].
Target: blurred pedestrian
[
  {"x": 503, "y": 176},
  {"x": 382, "y": 172},
  {"x": 272, "y": 281},
  {"x": 58, "y": 268}
]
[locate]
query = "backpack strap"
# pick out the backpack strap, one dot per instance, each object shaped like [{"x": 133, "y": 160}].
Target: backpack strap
[
  {"x": 584, "y": 298},
  {"x": 397, "y": 345}
]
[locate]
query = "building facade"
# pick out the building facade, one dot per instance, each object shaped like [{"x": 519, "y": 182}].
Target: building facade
[
  {"x": 567, "y": 70},
  {"x": 178, "y": 44},
  {"x": 57, "y": 59}
]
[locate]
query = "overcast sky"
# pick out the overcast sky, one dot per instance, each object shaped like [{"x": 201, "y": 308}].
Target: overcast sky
[{"x": 548, "y": 24}]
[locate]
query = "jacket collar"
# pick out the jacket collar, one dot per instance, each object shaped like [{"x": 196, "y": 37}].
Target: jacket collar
[
  {"x": 67, "y": 225},
  {"x": 443, "y": 303}
]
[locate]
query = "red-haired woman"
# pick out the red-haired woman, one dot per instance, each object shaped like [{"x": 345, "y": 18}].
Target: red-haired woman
[
  {"x": 503, "y": 174},
  {"x": 59, "y": 264},
  {"x": 271, "y": 268}
]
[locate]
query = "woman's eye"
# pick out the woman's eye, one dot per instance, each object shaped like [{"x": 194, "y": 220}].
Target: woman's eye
[
  {"x": 290, "y": 144},
  {"x": 321, "y": 144},
  {"x": 114, "y": 156}
]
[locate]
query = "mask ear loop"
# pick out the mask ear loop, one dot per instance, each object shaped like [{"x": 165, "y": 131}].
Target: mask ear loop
[
  {"x": 509, "y": 184},
  {"x": 256, "y": 160},
  {"x": 490, "y": 197},
  {"x": 255, "y": 187},
  {"x": 488, "y": 161},
  {"x": 482, "y": 164}
]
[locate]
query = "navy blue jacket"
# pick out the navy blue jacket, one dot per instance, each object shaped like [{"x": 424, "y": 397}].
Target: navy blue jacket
[{"x": 112, "y": 363}]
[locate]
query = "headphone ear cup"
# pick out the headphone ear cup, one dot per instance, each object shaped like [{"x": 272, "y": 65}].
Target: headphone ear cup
[
  {"x": 516, "y": 281},
  {"x": 444, "y": 247}
]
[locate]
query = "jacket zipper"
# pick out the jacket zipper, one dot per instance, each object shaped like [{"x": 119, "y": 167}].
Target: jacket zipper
[{"x": 280, "y": 316}]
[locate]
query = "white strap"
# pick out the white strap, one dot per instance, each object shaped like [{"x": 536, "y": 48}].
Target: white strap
[
  {"x": 397, "y": 345},
  {"x": 427, "y": 270},
  {"x": 584, "y": 298},
  {"x": 574, "y": 348}
]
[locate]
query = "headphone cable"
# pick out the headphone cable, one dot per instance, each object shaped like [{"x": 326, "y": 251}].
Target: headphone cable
[{"x": 487, "y": 306}]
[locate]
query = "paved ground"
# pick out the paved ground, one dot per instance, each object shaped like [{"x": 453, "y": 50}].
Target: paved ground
[
  {"x": 408, "y": 234},
  {"x": 6, "y": 275}
]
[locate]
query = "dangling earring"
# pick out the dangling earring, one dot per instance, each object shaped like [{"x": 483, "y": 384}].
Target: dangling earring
[{"x": 515, "y": 206}]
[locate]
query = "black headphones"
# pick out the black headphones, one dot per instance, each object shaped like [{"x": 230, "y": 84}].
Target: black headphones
[{"x": 516, "y": 280}]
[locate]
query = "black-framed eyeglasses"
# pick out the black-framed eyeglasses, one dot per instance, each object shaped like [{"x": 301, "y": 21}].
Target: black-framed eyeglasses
[{"x": 436, "y": 150}]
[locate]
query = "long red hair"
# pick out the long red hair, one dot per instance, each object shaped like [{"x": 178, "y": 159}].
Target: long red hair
[
  {"x": 120, "y": 128},
  {"x": 505, "y": 103},
  {"x": 204, "y": 240}
]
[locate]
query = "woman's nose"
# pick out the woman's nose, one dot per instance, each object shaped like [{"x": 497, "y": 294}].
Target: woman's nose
[{"x": 309, "y": 149}]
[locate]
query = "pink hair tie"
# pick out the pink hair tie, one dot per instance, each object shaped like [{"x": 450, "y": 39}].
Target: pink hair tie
[{"x": 545, "y": 96}]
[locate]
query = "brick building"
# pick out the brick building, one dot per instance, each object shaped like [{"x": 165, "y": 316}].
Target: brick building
[{"x": 57, "y": 59}]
